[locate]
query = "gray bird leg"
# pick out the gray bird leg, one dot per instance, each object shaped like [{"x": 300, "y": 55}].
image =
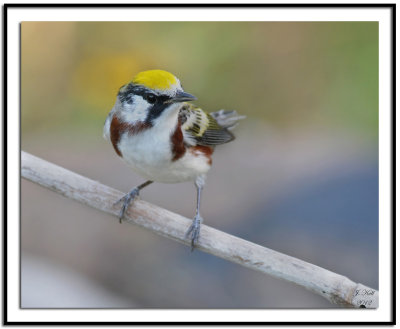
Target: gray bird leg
[
  {"x": 194, "y": 230},
  {"x": 127, "y": 198}
]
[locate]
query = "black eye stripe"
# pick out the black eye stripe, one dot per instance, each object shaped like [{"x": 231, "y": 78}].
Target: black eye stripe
[
  {"x": 151, "y": 98},
  {"x": 129, "y": 90},
  {"x": 158, "y": 106}
]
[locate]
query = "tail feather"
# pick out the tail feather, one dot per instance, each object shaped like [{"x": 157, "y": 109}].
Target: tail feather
[{"x": 227, "y": 119}]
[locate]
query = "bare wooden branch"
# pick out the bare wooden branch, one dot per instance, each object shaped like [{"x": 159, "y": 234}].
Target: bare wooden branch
[{"x": 334, "y": 287}]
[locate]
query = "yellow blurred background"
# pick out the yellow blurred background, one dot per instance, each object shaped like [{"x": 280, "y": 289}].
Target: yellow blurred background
[
  {"x": 301, "y": 177},
  {"x": 282, "y": 73}
]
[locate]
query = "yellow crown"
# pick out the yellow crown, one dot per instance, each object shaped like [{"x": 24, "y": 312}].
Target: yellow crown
[{"x": 155, "y": 79}]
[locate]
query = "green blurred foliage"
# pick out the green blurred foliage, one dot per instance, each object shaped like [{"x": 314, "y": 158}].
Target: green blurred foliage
[{"x": 285, "y": 73}]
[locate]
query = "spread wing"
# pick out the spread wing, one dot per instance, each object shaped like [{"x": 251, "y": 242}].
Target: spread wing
[{"x": 200, "y": 128}]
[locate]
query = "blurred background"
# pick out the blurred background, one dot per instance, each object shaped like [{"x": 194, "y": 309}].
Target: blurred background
[{"x": 300, "y": 178}]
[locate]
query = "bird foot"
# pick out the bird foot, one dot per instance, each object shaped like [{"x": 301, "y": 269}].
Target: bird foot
[
  {"x": 126, "y": 200},
  {"x": 194, "y": 230}
]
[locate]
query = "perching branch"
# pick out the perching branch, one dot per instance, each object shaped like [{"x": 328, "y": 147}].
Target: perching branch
[{"x": 334, "y": 287}]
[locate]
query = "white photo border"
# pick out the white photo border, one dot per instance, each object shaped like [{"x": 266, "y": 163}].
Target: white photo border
[{"x": 12, "y": 16}]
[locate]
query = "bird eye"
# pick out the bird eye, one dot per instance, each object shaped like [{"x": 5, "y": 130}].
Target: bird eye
[{"x": 151, "y": 98}]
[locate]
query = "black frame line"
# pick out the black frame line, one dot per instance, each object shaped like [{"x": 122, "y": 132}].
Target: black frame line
[{"x": 391, "y": 6}]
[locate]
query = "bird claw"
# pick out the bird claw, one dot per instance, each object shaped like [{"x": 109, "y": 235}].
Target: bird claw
[
  {"x": 194, "y": 231},
  {"x": 126, "y": 199}
]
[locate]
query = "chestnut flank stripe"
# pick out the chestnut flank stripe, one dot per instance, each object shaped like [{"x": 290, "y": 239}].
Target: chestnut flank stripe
[{"x": 118, "y": 127}]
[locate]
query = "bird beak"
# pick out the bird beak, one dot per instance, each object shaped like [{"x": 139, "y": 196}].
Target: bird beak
[{"x": 181, "y": 96}]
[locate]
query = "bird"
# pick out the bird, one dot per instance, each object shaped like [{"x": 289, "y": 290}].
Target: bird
[{"x": 157, "y": 131}]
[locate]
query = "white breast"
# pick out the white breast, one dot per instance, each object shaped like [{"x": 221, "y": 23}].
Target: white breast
[{"x": 149, "y": 154}]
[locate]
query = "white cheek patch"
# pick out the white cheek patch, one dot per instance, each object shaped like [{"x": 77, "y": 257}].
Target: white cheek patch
[{"x": 137, "y": 111}]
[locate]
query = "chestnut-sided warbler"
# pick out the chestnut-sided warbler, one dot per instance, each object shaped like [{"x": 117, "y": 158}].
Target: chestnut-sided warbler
[{"x": 164, "y": 138}]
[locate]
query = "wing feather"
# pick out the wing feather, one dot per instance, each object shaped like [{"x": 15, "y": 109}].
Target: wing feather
[{"x": 201, "y": 128}]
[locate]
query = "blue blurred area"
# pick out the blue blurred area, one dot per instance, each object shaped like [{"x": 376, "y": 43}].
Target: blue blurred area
[{"x": 337, "y": 215}]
